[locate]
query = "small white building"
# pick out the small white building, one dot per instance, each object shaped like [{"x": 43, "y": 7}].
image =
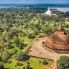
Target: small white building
[{"x": 49, "y": 13}]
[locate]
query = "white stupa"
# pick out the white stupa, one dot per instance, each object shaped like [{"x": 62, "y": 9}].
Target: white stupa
[{"x": 48, "y": 12}]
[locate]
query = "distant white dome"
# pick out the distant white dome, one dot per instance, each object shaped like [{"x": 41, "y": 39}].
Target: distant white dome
[{"x": 48, "y": 12}]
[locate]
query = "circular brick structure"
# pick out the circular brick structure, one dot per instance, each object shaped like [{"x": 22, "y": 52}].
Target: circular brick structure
[{"x": 58, "y": 41}]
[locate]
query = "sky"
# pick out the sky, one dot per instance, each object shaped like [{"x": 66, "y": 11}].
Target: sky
[{"x": 32, "y": 1}]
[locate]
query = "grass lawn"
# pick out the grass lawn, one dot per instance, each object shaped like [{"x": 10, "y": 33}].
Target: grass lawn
[
  {"x": 36, "y": 63},
  {"x": 12, "y": 66}
]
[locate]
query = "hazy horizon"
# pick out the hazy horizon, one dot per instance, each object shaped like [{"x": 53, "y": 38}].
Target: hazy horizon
[{"x": 34, "y": 1}]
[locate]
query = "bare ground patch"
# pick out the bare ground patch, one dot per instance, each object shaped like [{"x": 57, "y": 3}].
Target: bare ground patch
[{"x": 37, "y": 50}]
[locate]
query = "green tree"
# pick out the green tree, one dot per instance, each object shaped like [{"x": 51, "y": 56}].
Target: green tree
[
  {"x": 1, "y": 65},
  {"x": 22, "y": 57},
  {"x": 5, "y": 56},
  {"x": 19, "y": 43},
  {"x": 45, "y": 62},
  {"x": 9, "y": 44},
  {"x": 63, "y": 62}
]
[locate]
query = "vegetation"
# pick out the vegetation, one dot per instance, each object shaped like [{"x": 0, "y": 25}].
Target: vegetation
[
  {"x": 1, "y": 65},
  {"x": 45, "y": 62},
  {"x": 63, "y": 62},
  {"x": 18, "y": 28},
  {"x": 27, "y": 66},
  {"x": 5, "y": 56},
  {"x": 22, "y": 57}
]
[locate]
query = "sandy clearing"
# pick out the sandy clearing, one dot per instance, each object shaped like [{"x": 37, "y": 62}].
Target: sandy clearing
[{"x": 38, "y": 50}]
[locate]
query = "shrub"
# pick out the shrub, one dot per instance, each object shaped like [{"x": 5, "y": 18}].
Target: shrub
[
  {"x": 42, "y": 35},
  {"x": 31, "y": 35},
  {"x": 9, "y": 61},
  {"x": 27, "y": 66},
  {"x": 22, "y": 57},
  {"x": 0, "y": 58},
  {"x": 23, "y": 67},
  {"x": 12, "y": 51},
  {"x": 5, "y": 56},
  {"x": 1, "y": 65},
  {"x": 8, "y": 45},
  {"x": 19, "y": 64},
  {"x": 19, "y": 44},
  {"x": 63, "y": 62},
  {"x": 45, "y": 62}
]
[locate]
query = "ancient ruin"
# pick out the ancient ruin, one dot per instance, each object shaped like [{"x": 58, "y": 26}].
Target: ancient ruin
[{"x": 58, "y": 41}]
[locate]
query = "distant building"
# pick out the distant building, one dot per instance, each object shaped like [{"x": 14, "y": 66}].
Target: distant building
[{"x": 49, "y": 13}]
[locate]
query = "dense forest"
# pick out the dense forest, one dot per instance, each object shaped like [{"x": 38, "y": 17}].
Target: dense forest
[{"x": 19, "y": 26}]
